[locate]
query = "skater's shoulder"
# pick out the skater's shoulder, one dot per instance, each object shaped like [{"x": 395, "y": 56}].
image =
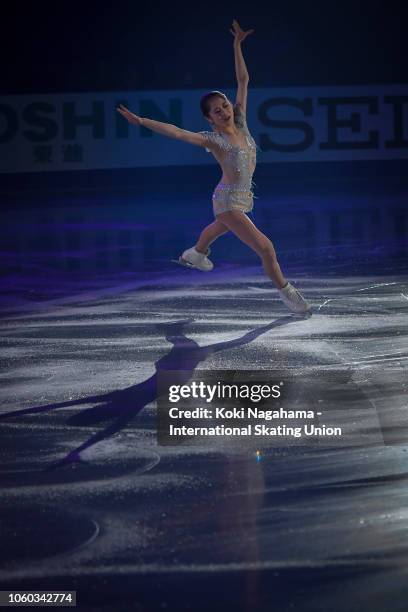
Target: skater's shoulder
[{"x": 213, "y": 141}]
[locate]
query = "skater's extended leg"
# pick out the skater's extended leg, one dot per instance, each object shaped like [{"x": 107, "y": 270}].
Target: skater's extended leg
[
  {"x": 245, "y": 230},
  {"x": 209, "y": 234}
]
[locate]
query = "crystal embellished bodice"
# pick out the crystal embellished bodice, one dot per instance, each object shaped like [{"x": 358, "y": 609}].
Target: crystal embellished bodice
[{"x": 237, "y": 163}]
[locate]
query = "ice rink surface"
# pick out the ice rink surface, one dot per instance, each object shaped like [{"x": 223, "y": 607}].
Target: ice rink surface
[{"x": 91, "y": 502}]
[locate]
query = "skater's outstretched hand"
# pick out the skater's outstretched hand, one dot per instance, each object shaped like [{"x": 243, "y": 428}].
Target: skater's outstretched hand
[
  {"x": 238, "y": 33},
  {"x": 131, "y": 117}
]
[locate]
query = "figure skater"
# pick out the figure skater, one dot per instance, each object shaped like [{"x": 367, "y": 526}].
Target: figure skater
[{"x": 235, "y": 150}]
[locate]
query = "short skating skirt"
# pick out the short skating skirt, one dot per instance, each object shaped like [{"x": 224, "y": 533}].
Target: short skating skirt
[{"x": 230, "y": 197}]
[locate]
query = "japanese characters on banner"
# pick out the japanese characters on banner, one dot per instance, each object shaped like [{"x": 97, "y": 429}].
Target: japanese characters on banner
[{"x": 55, "y": 132}]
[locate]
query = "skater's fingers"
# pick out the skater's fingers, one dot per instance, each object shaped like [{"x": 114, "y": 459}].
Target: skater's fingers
[
  {"x": 124, "y": 114},
  {"x": 245, "y": 34},
  {"x": 131, "y": 117}
]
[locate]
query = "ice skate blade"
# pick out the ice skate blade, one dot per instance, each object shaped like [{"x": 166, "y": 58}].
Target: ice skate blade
[
  {"x": 186, "y": 264},
  {"x": 303, "y": 315}
]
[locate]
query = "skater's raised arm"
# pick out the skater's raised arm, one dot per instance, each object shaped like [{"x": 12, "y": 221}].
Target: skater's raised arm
[
  {"x": 240, "y": 66},
  {"x": 167, "y": 129}
]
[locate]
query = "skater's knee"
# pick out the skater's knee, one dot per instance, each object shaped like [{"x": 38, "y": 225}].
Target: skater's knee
[
  {"x": 212, "y": 231},
  {"x": 265, "y": 249},
  {"x": 220, "y": 225}
]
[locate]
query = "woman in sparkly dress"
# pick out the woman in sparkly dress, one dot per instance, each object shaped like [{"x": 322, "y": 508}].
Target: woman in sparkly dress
[{"x": 233, "y": 147}]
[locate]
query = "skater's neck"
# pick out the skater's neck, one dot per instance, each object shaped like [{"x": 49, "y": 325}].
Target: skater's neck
[{"x": 231, "y": 132}]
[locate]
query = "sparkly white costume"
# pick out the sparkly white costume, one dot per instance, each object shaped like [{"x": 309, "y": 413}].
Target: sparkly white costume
[{"x": 238, "y": 166}]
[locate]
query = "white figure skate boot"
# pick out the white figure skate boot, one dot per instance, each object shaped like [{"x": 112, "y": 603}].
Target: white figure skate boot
[
  {"x": 193, "y": 259},
  {"x": 293, "y": 299}
]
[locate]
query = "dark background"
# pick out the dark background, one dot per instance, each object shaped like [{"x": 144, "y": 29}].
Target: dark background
[{"x": 99, "y": 46}]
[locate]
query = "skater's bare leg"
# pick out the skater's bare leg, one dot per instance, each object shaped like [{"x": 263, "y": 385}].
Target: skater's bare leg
[
  {"x": 209, "y": 234},
  {"x": 238, "y": 223}
]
